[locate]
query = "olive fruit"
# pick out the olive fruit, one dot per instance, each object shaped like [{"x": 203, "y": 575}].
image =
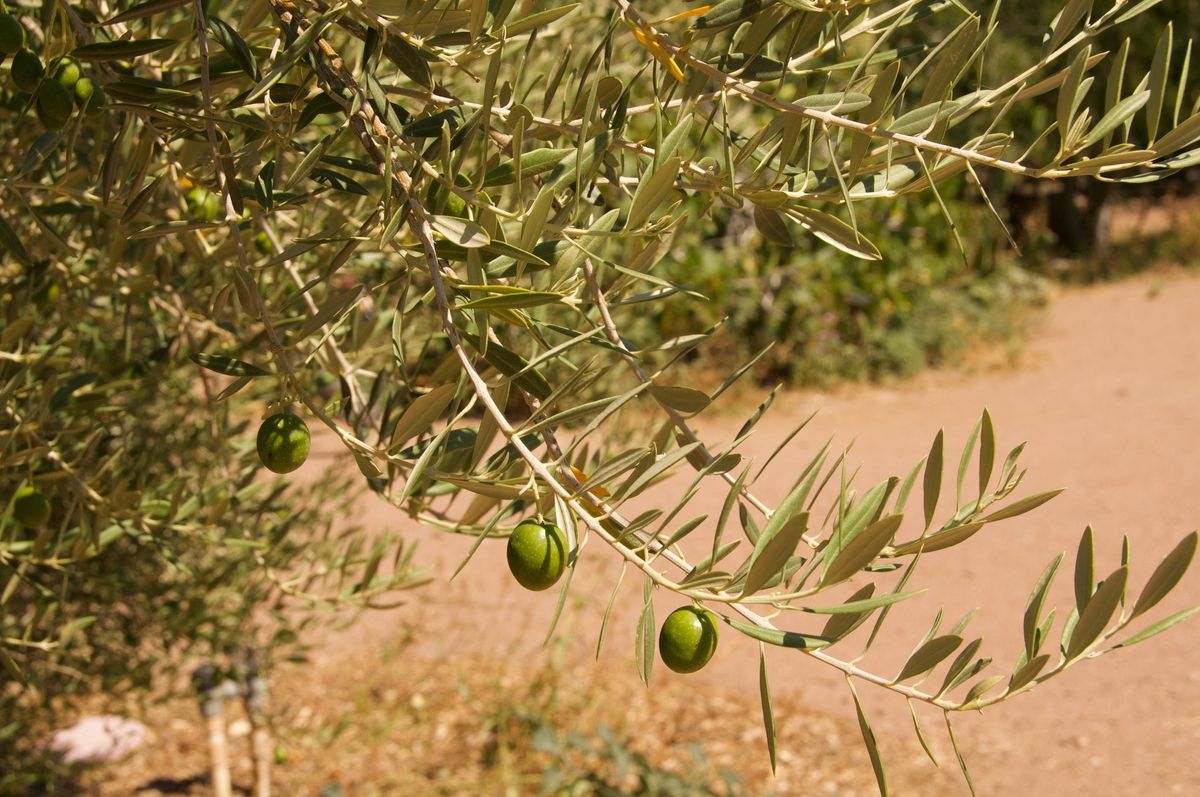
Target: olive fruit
[
  {"x": 283, "y": 441},
  {"x": 88, "y": 95},
  {"x": 30, "y": 507},
  {"x": 537, "y": 554},
  {"x": 688, "y": 639},
  {"x": 67, "y": 73},
  {"x": 46, "y": 295},
  {"x": 26, "y": 70},
  {"x": 202, "y": 204},
  {"x": 12, "y": 35},
  {"x": 262, "y": 242},
  {"x": 54, "y": 103}
]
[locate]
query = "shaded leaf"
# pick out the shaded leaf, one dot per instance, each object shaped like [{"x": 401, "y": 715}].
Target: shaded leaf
[
  {"x": 119, "y": 50},
  {"x": 227, "y": 365},
  {"x": 785, "y": 639}
]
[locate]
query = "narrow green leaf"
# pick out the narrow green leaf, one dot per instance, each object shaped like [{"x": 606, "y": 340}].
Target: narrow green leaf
[
  {"x": 10, "y": 241},
  {"x": 421, "y": 414},
  {"x": 1084, "y": 570},
  {"x": 512, "y": 365},
  {"x": 233, "y": 44},
  {"x": 1097, "y": 613},
  {"x": 857, "y": 606},
  {"x": 964, "y": 460},
  {"x": 612, "y": 599},
  {"x": 906, "y": 487},
  {"x": 512, "y": 300},
  {"x": 1159, "y": 627},
  {"x": 842, "y": 102},
  {"x": 644, "y": 640},
  {"x": 866, "y": 511},
  {"x": 776, "y": 545},
  {"x": 862, "y": 550},
  {"x": 1069, "y": 94},
  {"x": 987, "y": 451},
  {"x": 1027, "y": 672},
  {"x": 921, "y": 735},
  {"x": 335, "y": 307},
  {"x": 1168, "y": 573},
  {"x": 120, "y": 50},
  {"x": 295, "y": 51},
  {"x": 227, "y": 365},
  {"x": 652, "y": 191},
  {"x": 976, "y": 692},
  {"x": 1064, "y": 24},
  {"x": 1134, "y": 11},
  {"x": 1022, "y": 506},
  {"x": 673, "y": 139},
  {"x": 1033, "y": 607},
  {"x": 835, "y": 232},
  {"x": 1159, "y": 72},
  {"x": 687, "y": 400},
  {"x": 955, "y": 673},
  {"x": 1116, "y": 116},
  {"x": 146, "y": 9},
  {"x": 962, "y": 762},
  {"x": 949, "y": 59},
  {"x": 764, "y": 694},
  {"x": 784, "y": 639},
  {"x": 538, "y": 19},
  {"x": 533, "y": 163},
  {"x": 839, "y": 625},
  {"x": 872, "y": 745},
  {"x": 933, "y": 476},
  {"x": 929, "y": 655},
  {"x": 939, "y": 541},
  {"x": 461, "y": 232}
]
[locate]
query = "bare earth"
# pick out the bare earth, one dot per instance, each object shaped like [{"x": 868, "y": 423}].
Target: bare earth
[{"x": 1108, "y": 396}]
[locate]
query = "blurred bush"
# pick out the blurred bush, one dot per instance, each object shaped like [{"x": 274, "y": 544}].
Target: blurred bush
[{"x": 827, "y": 316}]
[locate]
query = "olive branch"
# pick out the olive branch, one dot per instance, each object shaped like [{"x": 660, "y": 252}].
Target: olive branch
[{"x": 502, "y": 205}]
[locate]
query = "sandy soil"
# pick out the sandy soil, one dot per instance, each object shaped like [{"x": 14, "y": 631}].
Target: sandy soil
[{"x": 1108, "y": 396}]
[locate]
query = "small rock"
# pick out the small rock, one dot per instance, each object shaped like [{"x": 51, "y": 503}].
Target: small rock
[{"x": 98, "y": 740}]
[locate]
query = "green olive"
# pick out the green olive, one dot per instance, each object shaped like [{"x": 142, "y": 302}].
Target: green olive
[
  {"x": 262, "y": 242},
  {"x": 67, "y": 73},
  {"x": 55, "y": 101},
  {"x": 537, "y": 554},
  {"x": 27, "y": 70},
  {"x": 12, "y": 35},
  {"x": 688, "y": 639},
  {"x": 283, "y": 441},
  {"x": 30, "y": 507},
  {"x": 46, "y": 295},
  {"x": 89, "y": 96},
  {"x": 203, "y": 204}
]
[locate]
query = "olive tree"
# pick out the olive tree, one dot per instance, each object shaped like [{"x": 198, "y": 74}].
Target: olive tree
[{"x": 426, "y": 226}]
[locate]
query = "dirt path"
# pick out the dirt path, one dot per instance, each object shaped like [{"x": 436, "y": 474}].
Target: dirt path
[{"x": 1108, "y": 397}]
